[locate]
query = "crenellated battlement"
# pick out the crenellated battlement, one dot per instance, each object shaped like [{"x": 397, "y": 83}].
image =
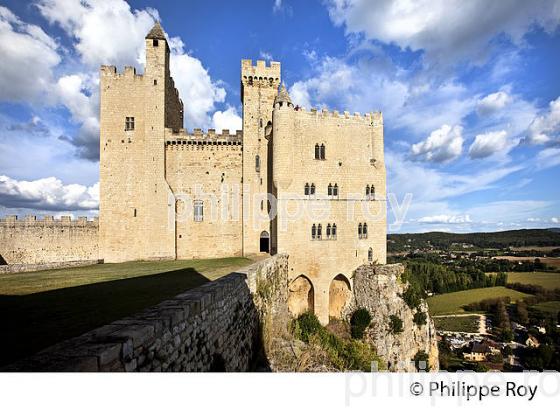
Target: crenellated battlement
[
  {"x": 111, "y": 71},
  {"x": 48, "y": 219},
  {"x": 199, "y": 138},
  {"x": 262, "y": 75},
  {"x": 373, "y": 118}
]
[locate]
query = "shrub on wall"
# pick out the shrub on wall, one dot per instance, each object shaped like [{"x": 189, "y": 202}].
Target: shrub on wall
[
  {"x": 420, "y": 318},
  {"x": 359, "y": 321},
  {"x": 344, "y": 354},
  {"x": 305, "y": 325},
  {"x": 395, "y": 324}
]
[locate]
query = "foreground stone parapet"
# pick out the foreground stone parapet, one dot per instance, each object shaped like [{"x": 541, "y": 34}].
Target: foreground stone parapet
[{"x": 219, "y": 326}]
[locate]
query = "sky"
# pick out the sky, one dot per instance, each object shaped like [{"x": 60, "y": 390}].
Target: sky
[{"x": 469, "y": 90}]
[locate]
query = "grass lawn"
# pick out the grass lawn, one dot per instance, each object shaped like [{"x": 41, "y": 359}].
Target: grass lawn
[
  {"x": 458, "y": 323},
  {"x": 453, "y": 302},
  {"x": 548, "y": 307},
  {"x": 548, "y": 280},
  {"x": 38, "y": 309}
]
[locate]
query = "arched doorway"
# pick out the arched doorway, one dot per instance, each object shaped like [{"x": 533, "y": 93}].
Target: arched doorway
[
  {"x": 339, "y": 295},
  {"x": 265, "y": 242},
  {"x": 301, "y": 296}
]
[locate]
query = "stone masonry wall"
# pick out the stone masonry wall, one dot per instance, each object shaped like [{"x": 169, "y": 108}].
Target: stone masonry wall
[
  {"x": 378, "y": 288},
  {"x": 216, "y": 326},
  {"x": 32, "y": 241}
]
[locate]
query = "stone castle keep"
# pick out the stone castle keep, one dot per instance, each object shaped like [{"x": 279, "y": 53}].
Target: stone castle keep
[{"x": 306, "y": 183}]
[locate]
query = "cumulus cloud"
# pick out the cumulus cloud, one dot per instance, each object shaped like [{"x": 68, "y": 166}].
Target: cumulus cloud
[
  {"x": 196, "y": 88},
  {"x": 79, "y": 94},
  {"x": 445, "y": 219},
  {"x": 105, "y": 31},
  {"x": 443, "y": 145},
  {"x": 447, "y": 30},
  {"x": 29, "y": 56},
  {"x": 492, "y": 103},
  {"x": 488, "y": 144},
  {"x": 546, "y": 128},
  {"x": 47, "y": 194},
  {"x": 376, "y": 84},
  {"x": 227, "y": 120}
]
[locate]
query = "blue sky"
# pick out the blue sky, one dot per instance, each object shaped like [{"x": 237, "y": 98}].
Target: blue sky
[{"x": 470, "y": 94}]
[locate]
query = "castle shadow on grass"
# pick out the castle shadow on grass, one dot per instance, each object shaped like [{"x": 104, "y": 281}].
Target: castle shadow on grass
[{"x": 36, "y": 321}]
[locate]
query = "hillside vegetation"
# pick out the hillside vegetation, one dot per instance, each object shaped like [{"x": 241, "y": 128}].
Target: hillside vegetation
[{"x": 444, "y": 240}]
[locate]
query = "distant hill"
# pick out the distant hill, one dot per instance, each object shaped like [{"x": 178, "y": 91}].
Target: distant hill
[{"x": 445, "y": 240}]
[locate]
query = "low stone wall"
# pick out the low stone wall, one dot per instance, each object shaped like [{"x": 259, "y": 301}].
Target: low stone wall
[
  {"x": 379, "y": 289},
  {"x": 19, "y": 268},
  {"x": 222, "y": 326}
]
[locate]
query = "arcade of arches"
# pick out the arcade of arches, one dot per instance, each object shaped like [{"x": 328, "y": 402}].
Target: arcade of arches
[{"x": 301, "y": 296}]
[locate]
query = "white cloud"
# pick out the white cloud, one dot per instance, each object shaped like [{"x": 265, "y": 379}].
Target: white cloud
[
  {"x": 448, "y": 30},
  {"x": 105, "y": 31},
  {"x": 376, "y": 84},
  {"x": 445, "y": 219},
  {"x": 492, "y": 103},
  {"x": 197, "y": 90},
  {"x": 548, "y": 158},
  {"x": 265, "y": 55},
  {"x": 227, "y": 120},
  {"x": 29, "y": 56},
  {"x": 546, "y": 128},
  {"x": 488, "y": 144},
  {"x": 555, "y": 220},
  {"x": 47, "y": 194},
  {"x": 443, "y": 145}
]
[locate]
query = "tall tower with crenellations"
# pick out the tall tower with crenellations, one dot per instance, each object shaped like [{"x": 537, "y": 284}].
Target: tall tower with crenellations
[
  {"x": 135, "y": 199},
  {"x": 259, "y": 86}
]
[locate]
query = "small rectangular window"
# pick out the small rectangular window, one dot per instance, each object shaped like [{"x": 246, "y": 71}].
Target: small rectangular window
[
  {"x": 155, "y": 82},
  {"x": 198, "y": 211},
  {"x": 155, "y": 42},
  {"x": 129, "y": 124}
]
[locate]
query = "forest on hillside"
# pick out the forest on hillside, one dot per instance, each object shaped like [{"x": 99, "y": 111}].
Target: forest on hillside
[{"x": 446, "y": 241}]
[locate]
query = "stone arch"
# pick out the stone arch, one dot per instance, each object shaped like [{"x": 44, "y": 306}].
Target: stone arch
[
  {"x": 301, "y": 296},
  {"x": 339, "y": 295}
]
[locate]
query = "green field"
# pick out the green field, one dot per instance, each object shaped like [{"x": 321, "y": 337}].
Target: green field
[
  {"x": 38, "y": 309},
  {"x": 552, "y": 307},
  {"x": 548, "y": 280},
  {"x": 468, "y": 324},
  {"x": 454, "y": 302}
]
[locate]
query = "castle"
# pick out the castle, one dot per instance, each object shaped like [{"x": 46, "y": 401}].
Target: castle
[{"x": 306, "y": 183}]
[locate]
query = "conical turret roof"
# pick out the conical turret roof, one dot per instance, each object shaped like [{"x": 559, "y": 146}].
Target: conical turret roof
[
  {"x": 283, "y": 96},
  {"x": 156, "y": 32}
]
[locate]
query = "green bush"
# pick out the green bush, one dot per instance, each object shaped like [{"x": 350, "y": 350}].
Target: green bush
[
  {"x": 359, "y": 321},
  {"x": 344, "y": 354},
  {"x": 395, "y": 324},
  {"x": 420, "y": 318},
  {"x": 306, "y": 325}
]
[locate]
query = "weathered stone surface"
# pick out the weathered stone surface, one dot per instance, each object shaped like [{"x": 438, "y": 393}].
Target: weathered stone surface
[{"x": 378, "y": 288}]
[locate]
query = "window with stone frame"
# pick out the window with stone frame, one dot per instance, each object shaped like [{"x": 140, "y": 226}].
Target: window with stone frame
[
  {"x": 198, "y": 208},
  {"x": 129, "y": 124}
]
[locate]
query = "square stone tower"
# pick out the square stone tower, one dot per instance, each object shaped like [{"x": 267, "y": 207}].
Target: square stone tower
[
  {"x": 136, "y": 216},
  {"x": 259, "y": 86}
]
